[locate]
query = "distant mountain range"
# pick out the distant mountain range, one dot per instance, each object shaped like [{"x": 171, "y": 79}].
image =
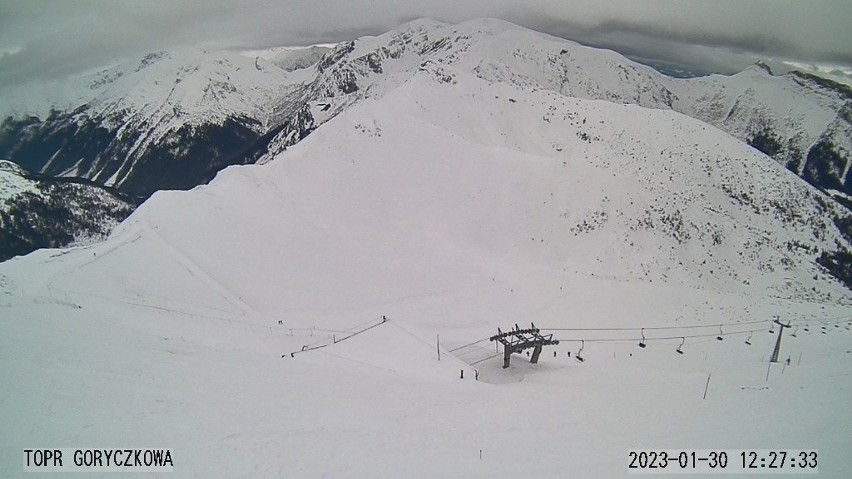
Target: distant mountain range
[{"x": 172, "y": 120}]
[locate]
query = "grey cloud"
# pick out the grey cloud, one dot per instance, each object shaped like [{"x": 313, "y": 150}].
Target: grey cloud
[
  {"x": 55, "y": 38},
  {"x": 767, "y": 44}
]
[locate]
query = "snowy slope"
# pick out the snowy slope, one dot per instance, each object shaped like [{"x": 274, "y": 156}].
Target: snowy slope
[
  {"x": 451, "y": 205},
  {"x": 800, "y": 120},
  {"x": 792, "y": 118},
  {"x": 647, "y": 194},
  {"x": 199, "y": 85}
]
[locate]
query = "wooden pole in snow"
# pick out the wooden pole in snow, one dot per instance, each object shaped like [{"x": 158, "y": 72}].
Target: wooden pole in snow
[
  {"x": 706, "y": 386},
  {"x": 438, "y": 345}
]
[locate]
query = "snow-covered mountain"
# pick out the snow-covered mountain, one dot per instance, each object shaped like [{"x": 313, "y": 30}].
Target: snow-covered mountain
[
  {"x": 451, "y": 205},
  {"x": 801, "y": 120},
  {"x": 291, "y": 58},
  {"x": 614, "y": 190},
  {"x": 170, "y": 120},
  {"x": 44, "y": 212}
]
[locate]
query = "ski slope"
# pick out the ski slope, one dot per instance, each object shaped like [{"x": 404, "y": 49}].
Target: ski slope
[{"x": 452, "y": 206}]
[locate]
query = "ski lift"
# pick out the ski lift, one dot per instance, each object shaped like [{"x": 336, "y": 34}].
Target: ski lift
[
  {"x": 748, "y": 339},
  {"x": 719, "y": 337},
  {"x": 577, "y": 356},
  {"x": 771, "y": 327},
  {"x": 643, "y": 342},
  {"x": 795, "y": 332},
  {"x": 679, "y": 349}
]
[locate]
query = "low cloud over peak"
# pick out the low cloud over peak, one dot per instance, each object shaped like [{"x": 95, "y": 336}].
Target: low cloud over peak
[{"x": 51, "y": 39}]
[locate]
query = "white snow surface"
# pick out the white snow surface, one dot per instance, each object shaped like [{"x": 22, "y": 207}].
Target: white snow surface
[
  {"x": 798, "y": 112},
  {"x": 147, "y": 100},
  {"x": 165, "y": 91},
  {"x": 452, "y": 205}
]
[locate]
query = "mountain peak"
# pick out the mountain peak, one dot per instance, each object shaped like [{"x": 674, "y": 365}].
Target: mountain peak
[
  {"x": 213, "y": 107},
  {"x": 760, "y": 66}
]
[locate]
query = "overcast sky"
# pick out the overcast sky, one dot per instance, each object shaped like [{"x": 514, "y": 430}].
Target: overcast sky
[{"x": 52, "y": 38}]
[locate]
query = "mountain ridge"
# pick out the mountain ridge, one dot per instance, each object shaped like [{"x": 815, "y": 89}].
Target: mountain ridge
[
  {"x": 809, "y": 137},
  {"x": 602, "y": 200},
  {"x": 196, "y": 112}
]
